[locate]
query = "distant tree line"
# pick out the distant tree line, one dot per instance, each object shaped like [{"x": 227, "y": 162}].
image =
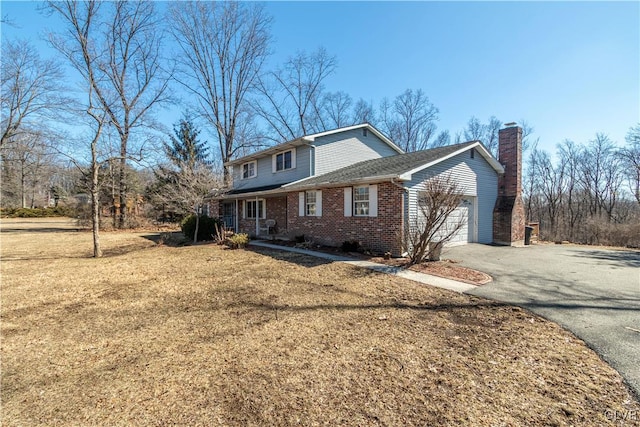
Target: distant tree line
[
  {"x": 590, "y": 193},
  {"x": 125, "y": 72}
]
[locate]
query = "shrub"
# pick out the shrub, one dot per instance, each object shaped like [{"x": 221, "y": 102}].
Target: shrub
[
  {"x": 37, "y": 212},
  {"x": 206, "y": 229},
  {"x": 350, "y": 246},
  {"x": 238, "y": 241}
]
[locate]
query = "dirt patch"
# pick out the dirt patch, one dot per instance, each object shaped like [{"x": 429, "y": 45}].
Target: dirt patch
[{"x": 200, "y": 335}]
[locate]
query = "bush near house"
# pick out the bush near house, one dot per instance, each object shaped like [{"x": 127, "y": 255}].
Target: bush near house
[
  {"x": 206, "y": 228},
  {"x": 238, "y": 241}
]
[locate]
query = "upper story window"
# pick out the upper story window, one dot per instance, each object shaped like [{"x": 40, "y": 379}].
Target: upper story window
[
  {"x": 249, "y": 170},
  {"x": 284, "y": 161},
  {"x": 361, "y": 201}
]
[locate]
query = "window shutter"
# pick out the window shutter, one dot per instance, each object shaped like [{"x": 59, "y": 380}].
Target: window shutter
[
  {"x": 301, "y": 204},
  {"x": 373, "y": 200},
  {"x": 293, "y": 158},
  {"x": 273, "y": 163},
  {"x": 319, "y": 203},
  {"x": 244, "y": 209},
  {"x": 348, "y": 204}
]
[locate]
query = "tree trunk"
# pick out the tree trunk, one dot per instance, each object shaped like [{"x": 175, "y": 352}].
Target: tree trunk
[
  {"x": 122, "y": 190},
  {"x": 95, "y": 204},
  {"x": 22, "y": 180},
  {"x": 195, "y": 233}
]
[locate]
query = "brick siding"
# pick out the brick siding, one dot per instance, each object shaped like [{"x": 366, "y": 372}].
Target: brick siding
[
  {"x": 508, "y": 214},
  {"x": 276, "y": 208},
  {"x": 379, "y": 234}
]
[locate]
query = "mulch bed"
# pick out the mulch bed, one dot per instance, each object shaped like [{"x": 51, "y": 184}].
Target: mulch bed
[{"x": 444, "y": 268}]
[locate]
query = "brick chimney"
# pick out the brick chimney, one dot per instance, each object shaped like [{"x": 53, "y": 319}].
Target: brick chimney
[{"x": 508, "y": 213}]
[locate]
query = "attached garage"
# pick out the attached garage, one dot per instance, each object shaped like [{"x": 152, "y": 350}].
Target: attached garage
[{"x": 465, "y": 214}]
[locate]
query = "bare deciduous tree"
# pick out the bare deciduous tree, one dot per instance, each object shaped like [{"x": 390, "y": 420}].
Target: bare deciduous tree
[
  {"x": 410, "y": 120},
  {"x": 552, "y": 186},
  {"x": 336, "y": 106},
  {"x": 363, "y": 112},
  {"x": 23, "y": 161},
  {"x": 80, "y": 53},
  {"x": 487, "y": 133},
  {"x": 122, "y": 48},
  {"x": 443, "y": 138},
  {"x": 631, "y": 158},
  {"x": 223, "y": 47},
  {"x": 434, "y": 225},
  {"x": 291, "y": 96},
  {"x": 188, "y": 189},
  {"x": 31, "y": 88},
  {"x": 601, "y": 175}
]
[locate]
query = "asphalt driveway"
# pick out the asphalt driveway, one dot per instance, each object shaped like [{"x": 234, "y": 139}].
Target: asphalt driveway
[{"x": 593, "y": 292}]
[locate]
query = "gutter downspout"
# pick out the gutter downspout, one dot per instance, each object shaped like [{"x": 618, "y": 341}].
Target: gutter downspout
[{"x": 312, "y": 160}]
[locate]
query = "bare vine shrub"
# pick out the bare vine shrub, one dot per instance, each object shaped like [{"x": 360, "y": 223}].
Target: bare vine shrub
[{"x": 433, "y": 226}]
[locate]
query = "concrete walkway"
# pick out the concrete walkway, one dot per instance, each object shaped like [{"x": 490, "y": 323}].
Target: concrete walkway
[{"x": 427, "y": 279}]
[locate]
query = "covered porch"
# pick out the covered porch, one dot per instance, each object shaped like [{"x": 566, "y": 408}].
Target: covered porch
[{"x": 262, "y": 216}]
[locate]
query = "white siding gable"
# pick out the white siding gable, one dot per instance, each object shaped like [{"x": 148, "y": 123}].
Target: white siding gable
[
  {"x": 336, "y": 151},
  {"x": 477, "y": 179}
]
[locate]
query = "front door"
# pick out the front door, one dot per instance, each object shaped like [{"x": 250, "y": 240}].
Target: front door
[{"x": 229, "y": 215}]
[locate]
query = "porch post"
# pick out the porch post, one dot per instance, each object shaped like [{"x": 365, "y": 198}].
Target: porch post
[
  {"x": 257, "y": 218},
  {"x": 235, "y": 225}
]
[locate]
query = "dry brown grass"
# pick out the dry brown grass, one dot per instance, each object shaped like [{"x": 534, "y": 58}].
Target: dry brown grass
[{"x": 199, "y": 335}]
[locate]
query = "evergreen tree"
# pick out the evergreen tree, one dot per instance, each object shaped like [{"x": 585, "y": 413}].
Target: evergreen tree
[{"x": 185, "y": 150}]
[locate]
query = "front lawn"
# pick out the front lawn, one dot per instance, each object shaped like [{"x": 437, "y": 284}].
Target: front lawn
[{"x": 199, "y": 335}]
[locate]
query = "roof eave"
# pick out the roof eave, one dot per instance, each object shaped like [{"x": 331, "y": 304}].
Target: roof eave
[
  {"x": 250, "y": 195},
  {"x": 477, "y": 144},
  {"x": 356, "y": 181},
  {"x": 271, "y": 150}
]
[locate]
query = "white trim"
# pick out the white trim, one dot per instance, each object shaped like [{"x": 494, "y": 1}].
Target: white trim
[
  {"x": 373, "y": 200},
  {"x": 480, "y": 148},
  {"x": 348, "y": 201},
  {"x": 237, "y": 224},
  {"x": 301, "y": 204},
  {"x": 353, "y": 204},
  {"x": 299, "y": 185},
  {"x": 255, "y": 170},
  {"x": 257, "y": 201},
  {"x": 319, "y": 203},
  {"x": 274, "y": 160}
]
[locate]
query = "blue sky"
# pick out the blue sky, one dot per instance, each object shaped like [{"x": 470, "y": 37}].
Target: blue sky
[{"x": 570, "y": 69}]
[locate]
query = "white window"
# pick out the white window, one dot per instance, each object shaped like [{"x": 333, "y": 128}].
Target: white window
[
  {"x": 361, "y": 201},
  {"x": 249, "y": 170},
  {"x": 284, "y": 161},
  {"x": 253, "y": 208},
  {"x": 310, "y": 203}
]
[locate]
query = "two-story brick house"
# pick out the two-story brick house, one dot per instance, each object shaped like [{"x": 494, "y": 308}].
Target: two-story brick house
[{"x": 353, "y": 183}]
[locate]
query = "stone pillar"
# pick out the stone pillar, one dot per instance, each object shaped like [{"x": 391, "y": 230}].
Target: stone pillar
[{"x": 508, "y": 213}]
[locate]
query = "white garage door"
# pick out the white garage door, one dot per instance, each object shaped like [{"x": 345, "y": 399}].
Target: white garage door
[{"x": 463, "y": 213}]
